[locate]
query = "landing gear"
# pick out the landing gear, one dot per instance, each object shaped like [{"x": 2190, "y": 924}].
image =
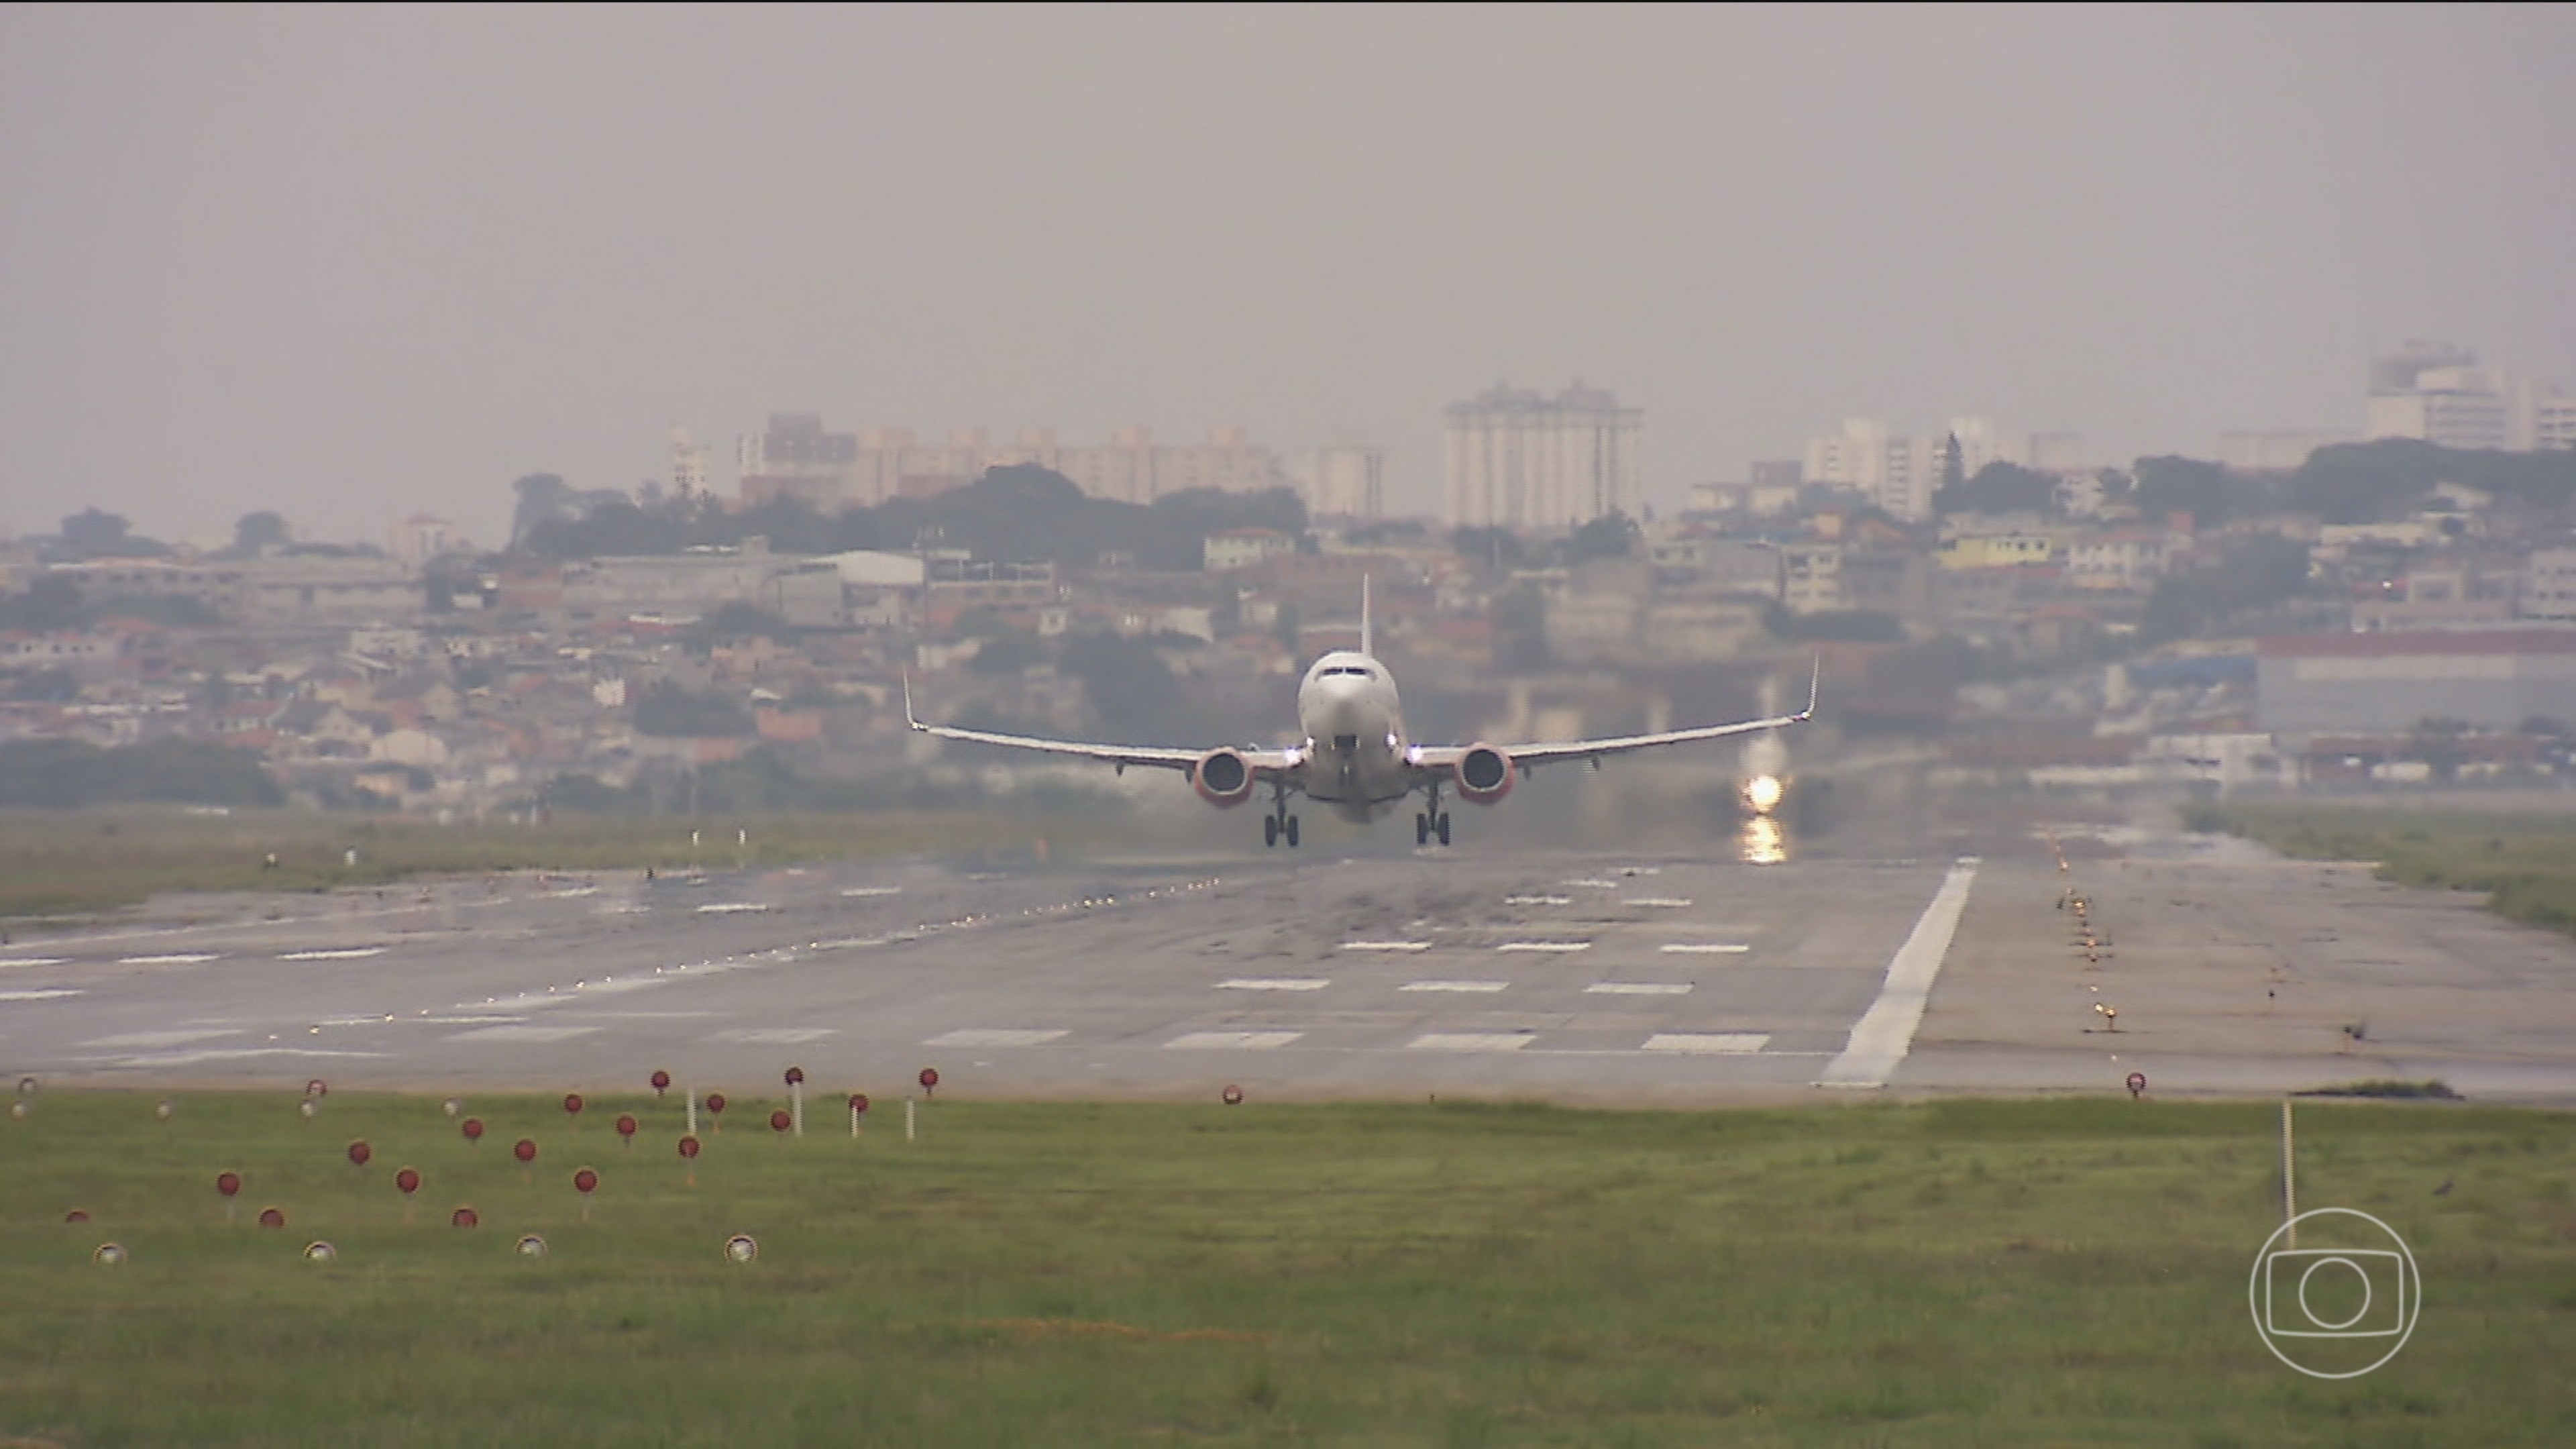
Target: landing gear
[
  {"x": 1431, "y": 822},
  {"x": 1280, "y": 823}
]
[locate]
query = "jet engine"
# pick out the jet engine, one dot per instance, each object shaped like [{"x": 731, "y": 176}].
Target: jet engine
[
  {"x": 1484, "y": 774},
  {"x": 1223, "y": 778}
]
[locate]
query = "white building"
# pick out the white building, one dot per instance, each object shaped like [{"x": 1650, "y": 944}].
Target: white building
[
  {"x": 1344, "y": 479},
  {"x": 1900, "y": 474},
  {"x": 866, "y": 468},
  {"x": 2441, "y": 395},
  {"x": 1520, "y": 460},
  {"x": 2549, "y": 584}
]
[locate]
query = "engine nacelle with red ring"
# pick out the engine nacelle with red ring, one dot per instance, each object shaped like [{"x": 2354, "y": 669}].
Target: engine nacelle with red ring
[
  {"x": 1484, "y": 774},
  {"x": 1223, "y": 778}
]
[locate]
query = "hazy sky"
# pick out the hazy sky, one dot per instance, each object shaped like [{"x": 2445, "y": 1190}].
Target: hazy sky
[{"x": 351, "y": 264}]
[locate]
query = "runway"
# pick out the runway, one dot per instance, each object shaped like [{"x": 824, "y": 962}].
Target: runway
[{"x": 1565, "y": 976}]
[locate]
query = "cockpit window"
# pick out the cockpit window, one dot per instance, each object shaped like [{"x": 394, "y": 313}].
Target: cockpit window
[{"x": 1362, "y": 671}]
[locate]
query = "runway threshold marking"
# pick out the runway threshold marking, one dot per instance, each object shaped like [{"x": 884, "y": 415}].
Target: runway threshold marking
[
  {"x": 1386, "y": 945},
  {"x": 1559, "y": 948},
  {"x": 975, "y": 1036},
  {"x": 342, "y": 953},
  {"x": 1719, "y": 1043},
  {"x": 1274, "y": 983},
  {"x": 1703, "y": 948},
  {"x": 1471, "y": 1041},
  {"x": 1638, "y": 988},
  {"x": 1454, "y": 986},
  {"x": 1885, "y": 1033},
  {"x": 1247, "y": 1040}
]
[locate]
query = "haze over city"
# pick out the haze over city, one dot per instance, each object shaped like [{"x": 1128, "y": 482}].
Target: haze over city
[{"x": 349, "y": 264}]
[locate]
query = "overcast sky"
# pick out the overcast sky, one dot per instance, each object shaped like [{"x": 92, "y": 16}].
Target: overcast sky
[{"x": 352, "y": 264}]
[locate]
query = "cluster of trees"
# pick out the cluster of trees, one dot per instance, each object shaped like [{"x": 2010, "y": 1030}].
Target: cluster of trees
[
  {"x": 1022, "y": 514},
  {"x": 1612, "y": 535},
  {"x": 56, "y": 602},
  {"x": 2346, "y": 483},
  {"x": 69, "y": 774}
]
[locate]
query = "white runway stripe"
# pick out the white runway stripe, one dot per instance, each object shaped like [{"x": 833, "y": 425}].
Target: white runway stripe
[
  {"x": 1722, "y": 1043},
  {"x": 1538, "y": 900},
  {"x": 1655, "y": 901},
  {"x": 175, "y": 958},
  {"x": 862, "y": 892},
  {"x": 1471, "y": 1041},
  {"x": 1553, "y": 947},
  {"x": 1454, "y": 986},
  {"x": 1703, "y": 948},
  {"x": 524, "y": 1033},
  {"x": 728, "y": 908},
  {"x": 1274, "y": 983},
  {"x": 1885, "y": 1033},
  {"x": 975, "y": 1036},
  {"x": 1589, "y": 883},
  {"x": 1639, "y": 988},
  {"x": 39, "y": 993},
  {"x": 345, "y": 953},
  {"x": 1251, "y": 1040},
  {"x": 774, "y": 1035},
  {"x": 34, "y": 961},
  {"x": 162, "y": 1038},
  {"x": 1386, "y": 945}
]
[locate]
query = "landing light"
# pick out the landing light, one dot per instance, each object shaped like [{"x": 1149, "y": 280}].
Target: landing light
[{"x": 1762, "y": 793}]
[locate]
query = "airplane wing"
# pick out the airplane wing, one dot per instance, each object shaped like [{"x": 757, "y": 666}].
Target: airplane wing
[
  {"x": 1263, "y": 763},
  {"x": 1447, "y": 756}
]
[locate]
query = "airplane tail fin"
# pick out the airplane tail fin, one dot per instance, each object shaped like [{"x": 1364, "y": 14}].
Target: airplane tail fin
[{"x": 1367, "y": 640}]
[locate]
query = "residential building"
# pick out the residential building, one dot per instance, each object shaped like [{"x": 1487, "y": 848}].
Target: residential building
[
  {"x": 1519, "y": 460},
  {"x": 2549, "y": 583},
  {"x": 1900, "y": 474},
  {"x": 418, "y": 539},
  {"x": 841, "y": 470},
  {"x": 2440, "y": 394},
  {"x": 2388, "y": 683},
  {"x": 1342, "y": 480}
]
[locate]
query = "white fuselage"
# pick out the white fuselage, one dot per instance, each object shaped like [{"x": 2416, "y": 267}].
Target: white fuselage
[{"x": 1354, "y": 749}]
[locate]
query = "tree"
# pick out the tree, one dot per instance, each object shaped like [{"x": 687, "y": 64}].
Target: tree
[
  {"x": 1612, "y": 535},
  {"x": 1495, "y": 547},
  {"x": 1999, "y": 487},
  {"x": 2206, "y": 491},
  {"x": 1520, "y": 628},
  {"x": 94, "y": 533},
  {"x": 670, "y": 709},
  {"x": 1954, "y": 467},
  {"x": 2251, "y": 574},
  {"x": 1131, "y": 688},
  {"x": 257, "y": 531}
]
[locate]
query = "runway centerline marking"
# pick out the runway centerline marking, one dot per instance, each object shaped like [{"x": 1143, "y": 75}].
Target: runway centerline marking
[
  {"x": 1249, "y": 1040},
  {"x": 863, "y": 892},
  {"x": 1553, "y": 947},
  {"x": 975, "y": 1036},
  {"x": 1885, "y": 1033},
  {"x": 1471, "y": 1041},
  {"x": 147, "y": 1039},
  {"x": 1717, "y": 1043},
  {"x": 1274, "y": 983},
  {"x": 524, "y": 1033},
  {"x": 729, "y": 908},
  {"x": 775, "y": 1035},
  {"x": 1538, "y": 900},
  {"x": 1639, "y": 988},
  {"x": 39, "y": 993},
  {"x": 1454, "y": 986},
  {"x": 174, "y": 958},
  {"x": 1675, "y": 901},
  {"x": 34, "y": 961},
  {"x": 1591, "y": 883},
  {"x": 1386, "y": 945},
  {"x": 1703, "y": 948},
  {"x": 340, "y": 953}
]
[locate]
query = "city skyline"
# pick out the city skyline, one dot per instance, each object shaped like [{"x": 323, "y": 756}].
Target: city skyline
[{"x": 353, "y": 266}]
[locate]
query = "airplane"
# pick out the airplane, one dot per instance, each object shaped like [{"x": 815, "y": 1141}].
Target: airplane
[{"x": 1353, "y": 754}]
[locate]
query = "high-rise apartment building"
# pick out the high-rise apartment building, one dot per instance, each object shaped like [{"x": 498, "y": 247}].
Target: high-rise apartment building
[
  {"x": 1900, "y": 474},
  {"x": 2440, "y": 394},
  {"x": 1520, "y": 460},
  {"x": 839, "y": 470},
  {"x": 1345, "y": 479}
]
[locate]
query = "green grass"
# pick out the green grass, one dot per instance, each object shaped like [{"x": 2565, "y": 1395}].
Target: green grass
[
  {"x": 2526, "y": 862},
  {"x": 1958, "y": 1273},
  {"x": 63, "y": 863}
]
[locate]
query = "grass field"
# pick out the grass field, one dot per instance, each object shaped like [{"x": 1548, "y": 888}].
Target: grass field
[
  {"x": 65, "y": 863},
  {"x": 1959, "y": 1273},
  {"x": 2526, "y": 861}
]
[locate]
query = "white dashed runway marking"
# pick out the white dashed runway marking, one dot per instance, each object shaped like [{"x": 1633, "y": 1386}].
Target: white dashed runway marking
[
  {"x": 34, "y": 961},
  {"x": 39, "y": 993},
  {"x": 1470, "y": 1041},
  {"x": 862, "y": 892},
  {"x": 1454, "y": 986},
  {"x": 1386, "y": 945},
  {"x": 524, "y": 1033},
  {"x": 162, "y": 1038},
  {"x": 774, "y": 1035},
  {"x": 1655, "y": 901},
  {"x": 1274, "y": 983},
  {"x": 1538, "y": 900},
  {"x": 345, "y": 953},
  {"x": 1590, "y": 883},
  {"x": 1251, "y": 1040},
  {"x": 730, "y": 908},
  {"x": 1559, "y": 948},
  {"x": 1726, "y": 1043},
  {"x": 1639, "y": 988},
  {"x": 175, "y": 958},
  {"x": 992, "y": 1037},
  {"x": 1703, "y": 948}
]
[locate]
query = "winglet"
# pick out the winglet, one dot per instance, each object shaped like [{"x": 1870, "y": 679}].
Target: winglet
[
  {"x": 1366, "y": 641},
  {"x": 1814, "y": 680},
  {"x": 907, "y": 703}
]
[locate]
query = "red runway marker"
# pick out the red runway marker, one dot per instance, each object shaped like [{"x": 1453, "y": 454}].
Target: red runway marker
[
  {"x": 525, "y": 1149},
  {"x": 779, "y": 1120},
  {"x": 661, "y": 1082},
  {"x": 473, "y": 1129}
]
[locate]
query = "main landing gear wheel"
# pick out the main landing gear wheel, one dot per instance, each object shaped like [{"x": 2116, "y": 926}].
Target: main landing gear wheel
[
  {"x": 1277, "y": 826},
  {"x": 1292, "y": 832},
  {"x": 1426, "y": 825},
  {"x": 1443, "y": 827}
]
